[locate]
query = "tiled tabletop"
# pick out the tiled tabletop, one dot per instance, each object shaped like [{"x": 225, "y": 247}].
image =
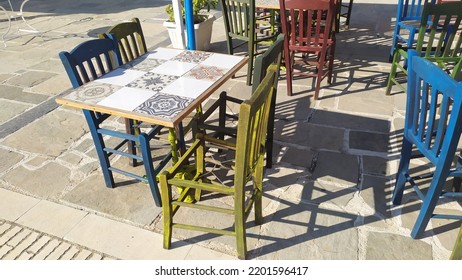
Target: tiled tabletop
[{"x": 161, "y": 87}]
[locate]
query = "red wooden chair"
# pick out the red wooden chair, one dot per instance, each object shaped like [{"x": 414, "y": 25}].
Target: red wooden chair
[{"x": 309, "y": 44}]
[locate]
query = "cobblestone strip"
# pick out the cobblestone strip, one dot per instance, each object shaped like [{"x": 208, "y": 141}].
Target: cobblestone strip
[{"x": 21, "y": 243}]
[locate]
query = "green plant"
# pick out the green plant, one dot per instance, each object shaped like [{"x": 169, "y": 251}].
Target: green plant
[{"x": 198, "y": 6}]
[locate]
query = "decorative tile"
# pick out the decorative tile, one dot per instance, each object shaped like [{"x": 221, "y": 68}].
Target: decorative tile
[
  {"x": 152, "y": 81},
  {"x": 164, "y": 105},
  {"x": 192, "y": 57},
  {"x": 92, "y": 92},
  {"x": 174, "y": 68},
  {"x": 120, "y": 77},
  {"x": 126, "y": 98},
  {"x": 164, "y": 53},
  {"x": 201, "y": 72},
  {"x": 188, "y": 87},
  {"x": 144, "y": 64},
  {"x": 223, "y": 60}
]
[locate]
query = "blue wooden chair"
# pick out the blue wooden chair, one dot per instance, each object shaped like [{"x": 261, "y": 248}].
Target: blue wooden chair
[
  {"x": 132, "y": 45},
  {"x": 433, "y": 126},
  {"x": 89, "y": 61},
  {"x": 408, "y": 16}
]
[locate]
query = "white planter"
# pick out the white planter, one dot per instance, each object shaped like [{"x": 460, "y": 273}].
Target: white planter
[{"x": 203, "y": 32}]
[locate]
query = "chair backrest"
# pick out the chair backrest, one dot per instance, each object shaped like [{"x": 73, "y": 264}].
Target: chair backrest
[
  {"x": 439, "y": 38},
  {"x": 433, "y": 110},
  {"x": 239, "y": 18},
  {"x": 272, "y": 55},
  {"x": 252, "y": 128},
  {"x": 130, "y": 37},
  {"x": 410, "y": 9},
  {"x": 90, "y": 60},
  {"x": 302, "y": 26}
]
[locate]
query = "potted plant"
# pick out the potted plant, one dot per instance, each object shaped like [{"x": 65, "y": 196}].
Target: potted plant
[{"x": 202, "y": 23}]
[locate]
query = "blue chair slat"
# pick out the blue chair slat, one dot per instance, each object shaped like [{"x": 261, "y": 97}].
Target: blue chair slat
[{"x": 433, "y": 125}]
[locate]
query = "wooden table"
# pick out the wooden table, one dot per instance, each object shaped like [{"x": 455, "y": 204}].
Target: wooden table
[{"x": 161, "y": 87}]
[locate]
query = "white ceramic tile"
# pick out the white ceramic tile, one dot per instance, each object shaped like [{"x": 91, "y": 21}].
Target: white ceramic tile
[
  {"x": 127, "y": 98},
  {"x": 164, "y": 53},
  {"x": 120, "y": 77},
  {"x": 173, "y": 68},
  {"x": 223, "y": 60},
  {"x": 188, "y": 87}
]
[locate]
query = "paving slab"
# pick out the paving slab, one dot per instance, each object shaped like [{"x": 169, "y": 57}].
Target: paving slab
[
  {"x": 52, "y": 134},
  {"x": 108, "y": 236},
  {"x": 52, "y": 218},
  {"x": 47, "y": 181},
  {"x": 398, "y": 247},
  {"x": 129, "y": 202},
  {"x": 14, "y": 205}
]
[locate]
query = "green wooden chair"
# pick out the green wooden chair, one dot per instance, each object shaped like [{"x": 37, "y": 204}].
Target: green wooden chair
[
  {"x": 247, "y": 165},
  {"x": 438, "y": 40},
  {"x": 203, "y": 122},
  {"x": 130, "y": 37},
  {"x": 132, "y": 44},
  {"x": 457, "y": 251},
  {"x": 240, "y": 25}
]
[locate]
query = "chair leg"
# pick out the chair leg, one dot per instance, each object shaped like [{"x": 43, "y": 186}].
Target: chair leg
[
  {"x": 93, "y": 124},
  {"x": 250, "y": 63},
  {"x": 241, "y": 242},
  {"x": 270, "y": 133},
  {"x": 396, "y": 58},
  {"x": 430, "y": 201},
  {"x": 258, "y": 185},
  {"x": 288, "y": 63},
  {"x": 403, "y": 168},
  {"x": 222, "y": 113},
  {"x": 167, "y": 211},
  {"x": 150, "y": 173},
  {"x": 319, "y": 76},
  {"x": 129, "y": 128},
  {"x": 457, "y": 251},
  {"x": 394, "y": 43},
  {"x": 331, "y": 63}
]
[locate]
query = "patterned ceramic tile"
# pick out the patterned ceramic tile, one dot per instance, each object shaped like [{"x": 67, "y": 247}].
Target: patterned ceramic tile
[
  {"x": 144, "y": 64},
  {"x": 120, "y": 77},
  {"x": 174, "y": 68},
  {"x": 92, "y": 92},
  {"x": 164, "y": 53},
  {"x": 192, "y": 57},
  {"x": 127, "y": 98},
  {"x": 188, "y": 87},
  {"x": 153, "y": 81},
  {"x": 223, "y": 60},
  {"x": 164, "y": 105},
  {"x": 201, "y": 72}
]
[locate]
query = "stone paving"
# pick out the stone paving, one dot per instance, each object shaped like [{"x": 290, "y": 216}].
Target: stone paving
[
  {"x": 327, "y": 196},
  {"x": 20, "y": 243}
]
